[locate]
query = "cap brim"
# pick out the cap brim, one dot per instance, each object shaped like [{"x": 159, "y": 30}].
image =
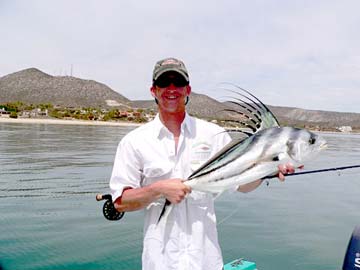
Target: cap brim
[{"x": 182, "y": 73}]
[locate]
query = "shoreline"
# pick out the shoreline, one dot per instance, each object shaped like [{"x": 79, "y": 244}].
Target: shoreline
[
  {"x": 64, "y": 122},
  {"x": 103, "y": 123}
]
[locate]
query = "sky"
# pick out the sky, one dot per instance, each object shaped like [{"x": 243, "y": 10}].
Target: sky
[{"x": 294, "y": 53}]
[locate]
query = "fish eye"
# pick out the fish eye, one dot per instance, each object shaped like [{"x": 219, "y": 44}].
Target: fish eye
[{"x": 312, "y": 140}]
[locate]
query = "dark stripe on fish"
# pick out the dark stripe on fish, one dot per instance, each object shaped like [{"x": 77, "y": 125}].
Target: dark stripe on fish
[
  {"x": 237, "y": 173},
  {"x": 272, "y": 133},
  {"x": 195, "y": 174},
  {"x": 260, "y": 117},
  {"x": 297, "y": 135}
]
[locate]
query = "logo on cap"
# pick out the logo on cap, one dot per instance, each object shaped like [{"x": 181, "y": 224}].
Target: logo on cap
[{"x": 170, "y": 61}]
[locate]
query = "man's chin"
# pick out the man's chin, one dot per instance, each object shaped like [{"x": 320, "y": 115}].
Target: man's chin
[{"x": 173, "y": 109}]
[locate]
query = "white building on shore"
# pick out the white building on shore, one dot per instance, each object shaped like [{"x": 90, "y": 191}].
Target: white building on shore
[
  {"x": 4, "y": 112},
  {"x": 345, "y": 128}
]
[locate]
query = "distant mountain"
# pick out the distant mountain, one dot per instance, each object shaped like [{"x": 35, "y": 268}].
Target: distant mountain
[
  {"x": 297, "y": 116},
  {"x": 34, "y": 86},
  {"x": 208, "y": 108}
]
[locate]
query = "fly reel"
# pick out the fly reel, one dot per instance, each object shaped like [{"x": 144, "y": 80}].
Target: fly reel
[{"x": 109, "y": 211}]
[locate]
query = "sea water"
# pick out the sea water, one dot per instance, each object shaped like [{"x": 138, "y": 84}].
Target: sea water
[{"x": 49, "y": 218}]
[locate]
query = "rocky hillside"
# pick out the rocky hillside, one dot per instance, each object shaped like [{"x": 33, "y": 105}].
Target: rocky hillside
[
  {"x": 34, "y": 87},
  {"x": 297, "y": 116},
  {"x": 208, "y": 108}
]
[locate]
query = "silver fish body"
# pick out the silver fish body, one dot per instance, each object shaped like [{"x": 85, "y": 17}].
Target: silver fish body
[
  {"x": 243, "y": 161},
  {"x": 256, "y": 157}
]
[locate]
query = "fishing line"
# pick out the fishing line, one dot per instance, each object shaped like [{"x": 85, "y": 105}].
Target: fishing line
[
  {"x": 228, "y": 216},
  {"x": 294, "y": 174}
]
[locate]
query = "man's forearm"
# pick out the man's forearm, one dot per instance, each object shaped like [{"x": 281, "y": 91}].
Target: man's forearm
[
  {"x": 250, "y": 186},
  {"x": 173, "y": 190},
  {"x": 137, "y": 198}
]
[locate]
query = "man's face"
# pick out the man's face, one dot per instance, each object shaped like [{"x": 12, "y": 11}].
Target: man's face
[{"x": 171, "y": 89}]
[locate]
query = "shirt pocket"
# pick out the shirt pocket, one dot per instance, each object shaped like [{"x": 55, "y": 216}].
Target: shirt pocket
[{"x": 200, "y": 153}]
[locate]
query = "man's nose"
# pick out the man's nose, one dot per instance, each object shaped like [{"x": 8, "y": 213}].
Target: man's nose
[{"x": 172, "y": 86}]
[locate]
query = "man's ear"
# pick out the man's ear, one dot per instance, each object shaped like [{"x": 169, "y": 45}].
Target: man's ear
[
  {"x": 152, "y": 91},
  {"x": 188, "y": 90}
]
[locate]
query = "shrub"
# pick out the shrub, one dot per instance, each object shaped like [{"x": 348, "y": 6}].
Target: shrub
[{"x": 13, "y": 115}]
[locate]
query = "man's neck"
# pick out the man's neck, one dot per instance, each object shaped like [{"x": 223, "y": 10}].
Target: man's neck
[{"x": 172, "y": 121}]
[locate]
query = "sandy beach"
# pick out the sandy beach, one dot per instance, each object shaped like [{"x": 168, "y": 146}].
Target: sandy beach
[
  {"x": 64, "y": 122},
  {"x": 103, "y": 123}
]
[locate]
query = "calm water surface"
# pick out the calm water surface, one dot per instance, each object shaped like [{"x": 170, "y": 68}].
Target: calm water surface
[{"x": 49, "y": 219}]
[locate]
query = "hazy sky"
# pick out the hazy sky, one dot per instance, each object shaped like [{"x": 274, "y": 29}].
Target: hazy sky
[{"x": 291, "y": 53}]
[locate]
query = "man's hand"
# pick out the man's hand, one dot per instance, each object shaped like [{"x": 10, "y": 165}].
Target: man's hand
[
  {"x": 285, "y": 169},
  {"x": 173, "y": 190}
]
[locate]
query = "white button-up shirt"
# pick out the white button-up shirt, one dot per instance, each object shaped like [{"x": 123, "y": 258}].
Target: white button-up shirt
[{"x": 188, "y": 239}]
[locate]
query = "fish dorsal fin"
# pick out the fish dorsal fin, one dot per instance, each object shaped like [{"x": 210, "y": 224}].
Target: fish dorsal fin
[
  {"x": 255, "y": 115},
  {"x": 217, "y": 160}
]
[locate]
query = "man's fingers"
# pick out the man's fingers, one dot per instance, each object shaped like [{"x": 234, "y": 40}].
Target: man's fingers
[
  {"x": 281, "y": 176},
  {"x": 290, "y": 169},
  {"x": 187, "y": 189},
  {"x": 181, "y": 194},
  {"x": 282, "y": 169},
  {"x": 286, "y": 168}
]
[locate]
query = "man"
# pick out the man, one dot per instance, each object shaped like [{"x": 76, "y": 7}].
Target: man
[{"x": 150, "y": 165}]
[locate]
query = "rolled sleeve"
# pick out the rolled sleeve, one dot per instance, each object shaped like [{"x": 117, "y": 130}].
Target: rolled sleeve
[{"x": 127, "y": 170}]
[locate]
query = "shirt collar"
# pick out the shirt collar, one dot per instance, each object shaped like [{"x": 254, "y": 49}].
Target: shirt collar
[{"x": 188, "y": 124}]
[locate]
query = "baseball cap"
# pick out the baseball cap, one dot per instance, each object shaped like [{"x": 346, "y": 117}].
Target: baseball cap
[{"x": 170, "y": 64}]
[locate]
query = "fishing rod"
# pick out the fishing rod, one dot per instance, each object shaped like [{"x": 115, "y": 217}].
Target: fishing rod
[
  {"x": 317, "y": 171},
  {"x": 112, "y": 214}
]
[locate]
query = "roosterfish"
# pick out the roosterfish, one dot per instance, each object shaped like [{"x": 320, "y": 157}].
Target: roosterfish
[{"x": 258, "y": 156}]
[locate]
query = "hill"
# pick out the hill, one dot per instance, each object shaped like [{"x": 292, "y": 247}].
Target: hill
[
  {"x": 34, "y": 87},
  {"x": 208, "y": 108},
  {"x": 324, "y": 119}
]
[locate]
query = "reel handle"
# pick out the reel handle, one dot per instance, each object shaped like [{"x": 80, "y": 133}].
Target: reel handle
[
  {"x": 100, "y": 197},
  {"x": 109, "y": 211}
]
